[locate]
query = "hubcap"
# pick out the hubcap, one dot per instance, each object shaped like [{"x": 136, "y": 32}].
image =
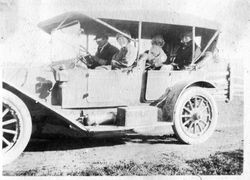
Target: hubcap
[
  {"x": 196, "y": 116},
  {"x": 10, "y": 127}
]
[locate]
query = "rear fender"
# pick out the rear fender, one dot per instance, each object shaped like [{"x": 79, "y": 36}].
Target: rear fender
[{"x": 167, "y": 101}]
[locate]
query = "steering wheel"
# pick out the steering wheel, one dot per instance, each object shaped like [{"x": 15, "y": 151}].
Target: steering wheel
[
  {"x": 84, "y": 51},
  {"x": 82, "y": 59},
  {"x": 84, "y": 56}
]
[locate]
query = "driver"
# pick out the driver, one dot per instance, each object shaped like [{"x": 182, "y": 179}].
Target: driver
[{"x": 105, "y": 52}]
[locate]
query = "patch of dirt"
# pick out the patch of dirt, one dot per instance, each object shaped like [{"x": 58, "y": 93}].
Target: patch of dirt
[{"x": 62, "y": 156}]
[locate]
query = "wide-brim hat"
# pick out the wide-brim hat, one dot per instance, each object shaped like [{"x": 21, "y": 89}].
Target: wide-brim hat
[
  {"x": 121, "y": 35},
  {"x": 187, "y": 34},
  {"x": 158, "y": 40}
]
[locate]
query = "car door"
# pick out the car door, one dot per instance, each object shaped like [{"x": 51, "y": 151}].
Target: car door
[
  {"x": 101, "y": 86},
  {"x": 156, "y": 83},
  {"x": 74, "y": 89},
  {"x": 113, "y": 87}
]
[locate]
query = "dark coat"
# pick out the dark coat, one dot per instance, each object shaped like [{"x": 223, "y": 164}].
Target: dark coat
[
  {"x": 184, "y": 55},
  {"x": 107, "y": 53}
]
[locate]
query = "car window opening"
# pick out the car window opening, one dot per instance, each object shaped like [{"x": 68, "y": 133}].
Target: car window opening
[{"x": 165, "y": 54}]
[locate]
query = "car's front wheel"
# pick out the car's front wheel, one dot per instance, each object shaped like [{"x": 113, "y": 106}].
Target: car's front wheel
[
  {"x": 16, "y": 126},
  {"x": 195, "y": 116}
]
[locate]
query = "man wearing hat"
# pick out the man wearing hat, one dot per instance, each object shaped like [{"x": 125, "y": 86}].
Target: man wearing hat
[{"x": 105, "y": 51}]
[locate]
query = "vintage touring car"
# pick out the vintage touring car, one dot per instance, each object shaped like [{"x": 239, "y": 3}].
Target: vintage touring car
[{"x": 103, "y": 102}]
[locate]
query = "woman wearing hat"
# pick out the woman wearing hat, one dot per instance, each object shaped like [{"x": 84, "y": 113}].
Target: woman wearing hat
[
  {"x": 127, "y": 54},
  {"x": 184, "y": 53},
  {"x": 183, "y": 57}
]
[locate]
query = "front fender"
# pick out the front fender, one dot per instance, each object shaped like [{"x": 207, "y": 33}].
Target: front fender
[{"x": 37, "y": 81}]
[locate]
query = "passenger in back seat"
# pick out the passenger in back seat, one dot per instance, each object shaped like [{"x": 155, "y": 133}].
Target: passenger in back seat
[
  {"x": 155, "y": 56},
  {"x": 184, "y": 53}
]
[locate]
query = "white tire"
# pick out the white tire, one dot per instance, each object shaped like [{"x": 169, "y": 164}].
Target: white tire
[
  {"x": 195, "y": 116},
  {"x": 16, "y": 126}
]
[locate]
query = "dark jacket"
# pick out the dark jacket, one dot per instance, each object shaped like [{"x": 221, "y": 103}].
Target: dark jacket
[
  {"x": 184, "y": 55},
  {"x": 107, "y": 53}
]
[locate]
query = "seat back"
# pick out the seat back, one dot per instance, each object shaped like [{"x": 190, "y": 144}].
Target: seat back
[{"x": 140, "y": 63}]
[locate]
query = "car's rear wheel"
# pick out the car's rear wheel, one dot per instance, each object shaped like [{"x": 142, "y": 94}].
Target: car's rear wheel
[
  {"x": 16, "y": 126},
  {"x": 195, "y": 116}
]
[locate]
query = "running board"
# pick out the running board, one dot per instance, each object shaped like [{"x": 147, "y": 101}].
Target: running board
[{"x": 112, "y": 128}]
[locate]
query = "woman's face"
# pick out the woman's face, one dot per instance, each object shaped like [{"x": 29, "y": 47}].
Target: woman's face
[
  {"x": 185, "y": 39},
  {"x": 122, "y": 41}
]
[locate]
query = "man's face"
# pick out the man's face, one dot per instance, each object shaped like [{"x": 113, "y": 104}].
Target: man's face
[{"x": 101, "y": 41}]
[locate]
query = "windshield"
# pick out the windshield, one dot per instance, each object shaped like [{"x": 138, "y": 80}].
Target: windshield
[
  {"x": 65, "y": 42},
  {"x": 76, "y": 38}
]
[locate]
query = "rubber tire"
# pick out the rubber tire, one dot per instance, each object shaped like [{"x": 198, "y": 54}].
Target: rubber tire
[
  {"x": 188, "y": 93},
  {"x": 25, "y": 129}
]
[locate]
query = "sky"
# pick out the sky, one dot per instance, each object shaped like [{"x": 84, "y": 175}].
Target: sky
[{"x": 22, "y": 16}]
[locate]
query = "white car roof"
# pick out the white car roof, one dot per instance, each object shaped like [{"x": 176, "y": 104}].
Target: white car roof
[{"x": 129, "y": 17}]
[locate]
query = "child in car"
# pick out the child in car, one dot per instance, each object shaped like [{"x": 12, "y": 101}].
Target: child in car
[{"x": 155, "y": 56}]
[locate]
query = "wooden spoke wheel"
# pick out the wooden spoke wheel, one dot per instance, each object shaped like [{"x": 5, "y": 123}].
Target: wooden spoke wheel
[
  {"x": 16, "y": 126},
  {"x": 195, "y": 116}
]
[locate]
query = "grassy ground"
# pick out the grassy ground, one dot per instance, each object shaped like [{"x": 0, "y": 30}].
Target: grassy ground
[{"x": 221, "y": 163}]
